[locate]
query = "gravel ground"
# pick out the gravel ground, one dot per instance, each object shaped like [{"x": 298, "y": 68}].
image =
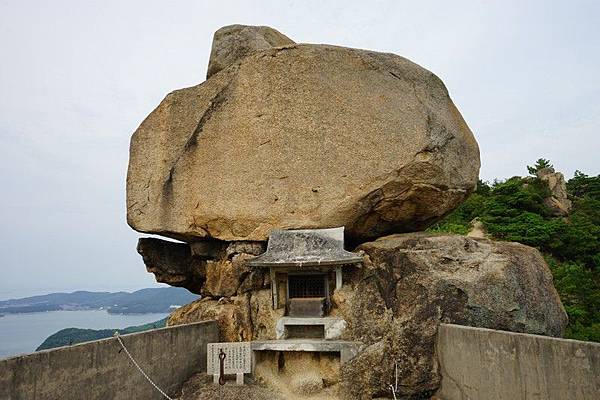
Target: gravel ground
[{"x": 200, "y": 387}]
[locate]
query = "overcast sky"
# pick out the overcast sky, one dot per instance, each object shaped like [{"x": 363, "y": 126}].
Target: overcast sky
[{"x": 77, "y": 78}]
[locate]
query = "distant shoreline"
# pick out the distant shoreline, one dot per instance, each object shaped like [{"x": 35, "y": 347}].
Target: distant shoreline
[
  {"x": 23, "y": 333},
  {"x": 5, "y": 312},
  {"x": 144, "y": 301}
]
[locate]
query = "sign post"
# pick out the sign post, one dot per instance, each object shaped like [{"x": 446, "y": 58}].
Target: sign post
[{"x": 237, "y": 360}]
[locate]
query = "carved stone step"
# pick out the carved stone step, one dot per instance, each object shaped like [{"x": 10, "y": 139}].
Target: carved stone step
[{"x": 332, "y": 327}]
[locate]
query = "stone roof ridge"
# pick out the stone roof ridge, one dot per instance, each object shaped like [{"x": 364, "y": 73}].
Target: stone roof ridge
[{"x": 306, "y": 247}]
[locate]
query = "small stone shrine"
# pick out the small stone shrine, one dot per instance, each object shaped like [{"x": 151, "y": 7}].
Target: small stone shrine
[
  {"x": 305, "y": 267},
  {"x": 305, "y": 270}
]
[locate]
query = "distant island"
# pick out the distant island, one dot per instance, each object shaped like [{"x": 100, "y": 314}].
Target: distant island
[
  {"x": 70, "y": 336},
  {"x": 151, "y": 300}
]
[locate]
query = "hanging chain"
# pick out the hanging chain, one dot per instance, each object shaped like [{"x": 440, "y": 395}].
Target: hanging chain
[
  {"x": 138, "y": 366},
  {"x": 394, "y": 387},
  {"x": 393, "y": 391}
]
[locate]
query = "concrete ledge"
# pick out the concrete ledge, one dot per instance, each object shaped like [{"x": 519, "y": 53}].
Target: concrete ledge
[
  {"x": 347, "y": 350},
  {"x": 333, "y": 327},
  {"x": 478, "y": 363},
  {"x": 100, "y": 370}
]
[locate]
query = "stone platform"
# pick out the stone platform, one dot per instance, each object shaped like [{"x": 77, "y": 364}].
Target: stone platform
[
  {"x": 332, "y": 327},
  {"x": 347, "y": 349}
]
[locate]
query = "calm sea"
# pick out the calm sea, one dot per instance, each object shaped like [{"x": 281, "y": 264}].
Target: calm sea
[{"x": 23, "y": 333}]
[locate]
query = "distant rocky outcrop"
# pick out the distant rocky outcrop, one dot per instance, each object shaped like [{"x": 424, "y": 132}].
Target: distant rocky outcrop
[
  {"x": 558, "y": 202},
  {"x": 300, "y": 136},
  {"x": 393, "y": 303}
]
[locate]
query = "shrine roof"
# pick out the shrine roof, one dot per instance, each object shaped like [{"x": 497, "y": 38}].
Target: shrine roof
[{"x": 306, "y": 247}]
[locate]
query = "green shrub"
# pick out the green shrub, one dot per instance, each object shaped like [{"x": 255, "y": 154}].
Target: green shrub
[{"x": 514, "y": 210}]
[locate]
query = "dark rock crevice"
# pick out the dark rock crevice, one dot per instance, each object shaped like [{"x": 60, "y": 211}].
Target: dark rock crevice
[{"x": 173, "y": 263}]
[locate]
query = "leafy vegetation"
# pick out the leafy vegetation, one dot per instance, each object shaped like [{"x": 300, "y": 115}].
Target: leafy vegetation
[
  {"x": 70, "y": 336},
  {"x": 542, "y": 163},
  {"x": 514, "y": 210}
]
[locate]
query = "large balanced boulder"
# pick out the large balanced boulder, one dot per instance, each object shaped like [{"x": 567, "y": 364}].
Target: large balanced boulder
[
  {"x": 301, "y": 136},
  {"x": 393, "y": 303}
]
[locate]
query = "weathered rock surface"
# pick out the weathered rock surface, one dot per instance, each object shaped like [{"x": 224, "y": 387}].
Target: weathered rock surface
[
  {"x": 230, "y": 313},
  {"x": 410, "y": 283},
  {"x": 394, "y": 302},
  {"x": 558, "y": 201},
  {"x": 299, "y": 375},
  {"x": 234, "y": 42},
  {"x": 214, "y": 269},
  {"x": 244, "y": 317},
  {"x": 302, "y": 136}
]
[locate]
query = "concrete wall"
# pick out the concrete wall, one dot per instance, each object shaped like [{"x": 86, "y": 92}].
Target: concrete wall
[
  {"x": 99, "y": 370},
  {"x": 486, "y": 364}
]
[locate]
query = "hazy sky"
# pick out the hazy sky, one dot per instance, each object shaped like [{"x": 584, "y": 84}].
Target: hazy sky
[{"x": 77, "y": 78}]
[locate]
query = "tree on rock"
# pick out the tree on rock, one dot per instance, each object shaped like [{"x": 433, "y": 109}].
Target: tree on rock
[{"x": 540, "y": 164}]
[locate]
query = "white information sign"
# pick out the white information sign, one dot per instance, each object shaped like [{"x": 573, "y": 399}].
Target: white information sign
[{"x": 238, "y": 358}]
